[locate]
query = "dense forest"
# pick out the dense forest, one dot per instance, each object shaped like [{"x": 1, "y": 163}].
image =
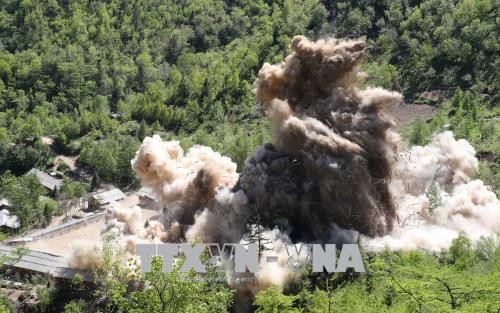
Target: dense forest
[{"x": 96, "y": 77}]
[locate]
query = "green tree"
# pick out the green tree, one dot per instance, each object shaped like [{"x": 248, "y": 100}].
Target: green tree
[
  {"x": 74, "y": 307},
  {"x": 419, "y": 133},
  {"x": 167, "y": 292},
  {"x": 24, "y": 195},
  {"x": 271, "y": 300}
]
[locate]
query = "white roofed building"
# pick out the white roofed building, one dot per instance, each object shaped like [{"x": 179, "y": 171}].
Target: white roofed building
[
  {"x": 105, "y": 197},
  {"x": 4, "y": 203},
  {"x": 7, "y": 220}
]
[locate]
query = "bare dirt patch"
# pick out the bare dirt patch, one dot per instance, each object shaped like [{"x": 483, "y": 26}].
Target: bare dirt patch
[
  {"x": 61, "y": 244},
  {"x": 406, "y": 114}
]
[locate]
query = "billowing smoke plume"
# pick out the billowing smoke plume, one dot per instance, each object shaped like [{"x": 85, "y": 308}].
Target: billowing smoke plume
[
  {"x": 196, "y": 188},
  {"x": 437, "y": 198},
  {"x": 122, "y": 222},
  {"x": 327, "y": 172},
  {"x": 334, "y": 173},
  {"x": 330, "y": 165},
  {"x": 124, "y": 227},
  {"x": 334, "y": 145},
  {"x": 186, "y": 183}
]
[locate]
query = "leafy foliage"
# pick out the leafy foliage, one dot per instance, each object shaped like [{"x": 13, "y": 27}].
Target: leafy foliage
[
  {"x": 173, "y": 291},
  {"x": 99, "y": 76},
  {"x": 463, "y": 279},
  {"x": 433, "y": 44},
  {"x": 110, "y": 159},
  {"x": 24, "y": 194},
  {"x": 469, "y": 117},
  {"x": 188, "y": 68}
]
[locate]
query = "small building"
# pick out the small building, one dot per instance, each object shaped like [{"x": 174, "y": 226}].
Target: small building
[
  {"x": 51, "y": 183},
  {"x": 4, "y": 204},
  {"x": 34, "y": 262},
  {"x": 103, "y": 198},
  {"x": 7, "y": 220},
  {"x": 148, "y": 198}
]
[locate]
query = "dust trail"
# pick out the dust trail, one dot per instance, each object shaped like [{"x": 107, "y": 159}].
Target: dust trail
[
  {"x": 437, "y": 197},
  {"x": 85, "y": 255}
]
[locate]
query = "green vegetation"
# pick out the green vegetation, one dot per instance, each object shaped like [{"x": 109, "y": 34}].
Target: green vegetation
[
  {"x": 117, "y": 289},
  {"x": 5, "y": 304},
  {"x": 99, "y": 76},
  {"x": 173, "y": 67},
  {"x": 187, "y": 69},
  {"x": 73, "y": 307},
  {"x": 110, "y": 159},
  {"x": 426, "y": 45},
  {"x": 169, "y": 292},
  {"x": 463, "y": 279},
  {"x": 26, "y": 199}
]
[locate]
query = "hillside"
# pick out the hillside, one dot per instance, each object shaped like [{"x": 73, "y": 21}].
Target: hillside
[{"x": 82, "y": 83}]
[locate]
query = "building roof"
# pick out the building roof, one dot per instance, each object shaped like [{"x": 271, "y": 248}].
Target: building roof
[
  {"x": 4, "y": 202},
  {"x": 147, "y": 192},
  {"x": 109, "y": 196},
  {"x": 40, "y": 262},
  {"x": 8, "y": 220},
  {"x": 45, "y": 179}
]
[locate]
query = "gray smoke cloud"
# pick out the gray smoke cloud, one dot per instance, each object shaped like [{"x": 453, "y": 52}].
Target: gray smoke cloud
[
  {"x": 330, "y": 164},
  {"x": 334, "y": 149},
  {"x": 335, "y": 173},
  {"x": 324, "y": 179}
]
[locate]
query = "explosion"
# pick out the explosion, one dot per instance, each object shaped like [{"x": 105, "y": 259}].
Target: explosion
[
  {"x": 330, "y": 164},
  {"x": 336, "y": 172},
  {"x": 334, "y": 145}
]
